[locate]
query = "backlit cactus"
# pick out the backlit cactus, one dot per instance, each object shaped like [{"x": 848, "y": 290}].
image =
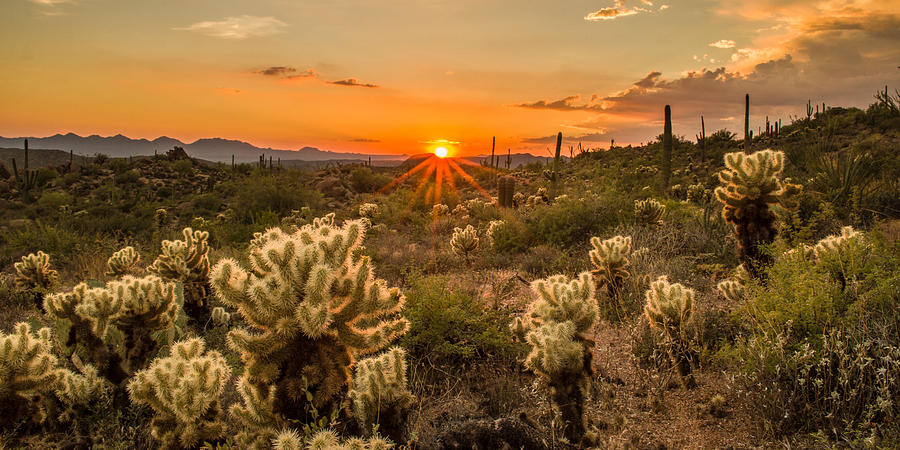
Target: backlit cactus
[
  {"x": 183, "y": 389},
  {"x": 114, "y": 325},
  {"x": 649, "y": 212},
  {"x": 557, "y": 327},
  {"x": 122, "y": 262},
  {"x": 187, "y": 261},
  {"x": 328, "y": 440},
  {"x": 464, "y": 241},
  {"x": 699, "y": 194},
  {"x": 669, "y": 309},
  {"x": 832, "y": 247},
  {"x": 313, "y": 305},
  {"x": 368, "y": 210},
  {"x": 610, "y": 259},
  {"x": 492, "y": 228},
  {"x": 220, "y": 316},
  {"x": 749, "y": 192},
  {"x": 379, "y": 393},
  {"x": 440, "y": 210},
  {"x": 27, "y": 370},
  {"x": 34, "y": 272},
  {"x": 735, "y": 289}
]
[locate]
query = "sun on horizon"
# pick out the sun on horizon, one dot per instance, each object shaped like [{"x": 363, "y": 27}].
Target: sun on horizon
[{"x": 441, "y": 152}]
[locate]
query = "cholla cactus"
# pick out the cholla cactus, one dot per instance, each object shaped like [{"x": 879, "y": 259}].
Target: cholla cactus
[
  {"x": 678, "y": 190},
  {"x": 832, "y": 247},
  {"x": 699, "y": 194},
  {"x": 379, "y": 393},
  {"x": 440, "y": 210},
  {"x": 649, "y": 212},
  {"x": 187, "y": 261},
  {"x": 34, "y": 272},
  {"x": 460, "y": 210},
  {"x": 160, "y": 218},
  {"x": 670, "y": 309},
  {"x": 750, "y": 189},
  {"x": 735, "y": 289},
  {"x": 307, "y": 293},
  {"x": 113, "y": 325},
  {"x": 122, "y": 262},
  {"x": 183, "y": 389},
  {"x": 328, "y": 440},
  {"x": 27, "y": 370},
  {"x": 556, "y": 326},
  {"x": 220, "y": 316},
  {"x": 492, "y": 228},
  {"x": 76, "y": 390},
  {"x": 464, "y": 241},
  {"x": 610, "y": 258},
  {"x": 519, "y": 199},
  {"x": 368, "y": 210}
]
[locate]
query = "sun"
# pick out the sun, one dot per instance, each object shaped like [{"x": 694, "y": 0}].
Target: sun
[{"x": 441, "y": 152}]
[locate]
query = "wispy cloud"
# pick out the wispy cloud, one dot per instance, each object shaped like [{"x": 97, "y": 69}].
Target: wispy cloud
[
  {"x": 723, "y": 43},
  {"x": 352, "y": 82},
  {"x": 620, "y": 9},
  {"x": 364, "y": 140},
  {"x": 292, "y": 73},
  {"x": 241, "y": 27}
]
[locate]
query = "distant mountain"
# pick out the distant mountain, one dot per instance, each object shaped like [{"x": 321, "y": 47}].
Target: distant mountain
[{"x": 214, "y": 149}]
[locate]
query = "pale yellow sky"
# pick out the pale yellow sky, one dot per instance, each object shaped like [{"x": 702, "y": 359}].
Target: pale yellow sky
[{"x": 387, "y": 75}]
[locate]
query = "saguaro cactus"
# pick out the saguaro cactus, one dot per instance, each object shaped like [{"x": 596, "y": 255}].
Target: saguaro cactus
[
  {"x": 748, "y": 135},
  {"x": 379, "y": 393},
  {"x": 506, "y": 187},
  {"x": 308, "y": 293},
  {"x": 557, "y": 326},
  {"x": 183, "y": 389},
  {"x": 750, "y": 191},
  {"x": 187, "y": 261},
  {"x": 670, "y": 309},
  {"x": 667, "y": 150}
]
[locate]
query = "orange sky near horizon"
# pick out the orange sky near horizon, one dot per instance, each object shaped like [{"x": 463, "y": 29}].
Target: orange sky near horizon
[{"x": 390, "y": 76}]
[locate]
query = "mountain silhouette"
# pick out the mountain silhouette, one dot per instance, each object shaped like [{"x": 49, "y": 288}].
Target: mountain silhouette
[{"x": 210, "y": 149}]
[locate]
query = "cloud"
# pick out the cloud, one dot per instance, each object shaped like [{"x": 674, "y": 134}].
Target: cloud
[
  {"x": 723, "y": 43},
  {"x": 241, "y": 27},
  {"x": 569, "y": 140},
  {"x": 352, "y": 82},
  {"x": 839, "y": 56},
  {"x": 364, "y": 140},
  {"x": 51, "y": 2},
  {"x": 619, "y": 9},
  {"x": 276, "y": 71}
]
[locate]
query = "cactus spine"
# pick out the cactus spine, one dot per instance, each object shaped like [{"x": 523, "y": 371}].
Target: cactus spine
[
  {"x": 649, "y": 212},
  {"x": 610, "y": 260},
  {"x": 307, "y": 293},
  {"x": 34, "y": 272},
  {"x": 187, "y": 261},
  {"x": 379, "y": 393},
  {"x": 667, "y": 149},
  {"x": 669, "y": 309},
  {"x": 183, "y": 389},
  {"x": 464, "y": 241},
  {"x": 113, "y": 326},
  {"x": 750, "y": 190},
  {"x": 122, "y": 262},
  {"x": 557, "y": 326}
]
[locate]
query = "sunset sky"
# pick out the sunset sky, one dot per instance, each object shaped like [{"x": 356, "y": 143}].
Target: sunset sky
[{"x": 387, "y": 76}]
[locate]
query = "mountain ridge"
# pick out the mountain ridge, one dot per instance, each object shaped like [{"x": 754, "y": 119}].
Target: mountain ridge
[{"x": 211, "y": 149}]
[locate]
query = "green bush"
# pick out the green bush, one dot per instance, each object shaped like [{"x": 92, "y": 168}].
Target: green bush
[
  {"x": 571, "y": 222},
  {"x": 364, "y": 180},
  {"x": 449, "y": 327}
]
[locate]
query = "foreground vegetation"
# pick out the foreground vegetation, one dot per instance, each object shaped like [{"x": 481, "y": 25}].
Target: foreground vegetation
[{"x": 718, "y": 298}]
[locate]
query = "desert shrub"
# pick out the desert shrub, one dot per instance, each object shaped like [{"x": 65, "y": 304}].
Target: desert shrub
[
  {"x": 128, "y": 177},
  {"x": 44, "y": 175},
  {"x": 259, "y": 194},
  {"x": 509, "y": 237},
  {"x": 50, "y": 202},
  {"x": 184, "y": 167},
  {"x": 571, "y": 222},
  {"x": 822, "y": 336},
  {"x": 364, "y": 180},
  {"x": 449, "y": 327}
]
